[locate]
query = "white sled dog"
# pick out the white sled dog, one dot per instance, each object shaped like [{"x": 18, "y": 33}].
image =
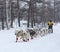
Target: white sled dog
[
  {"x": 24, "y": 35},
  {"x": 43, "y": 31}
]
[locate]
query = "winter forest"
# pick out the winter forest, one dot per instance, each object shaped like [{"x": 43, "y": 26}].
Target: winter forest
[
  {"x": 29, "y": 25},
  {"x": 33, "y": 11}
]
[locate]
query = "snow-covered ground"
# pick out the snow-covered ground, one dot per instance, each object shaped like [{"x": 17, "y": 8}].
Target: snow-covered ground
[{"x": 48, "y": 43}]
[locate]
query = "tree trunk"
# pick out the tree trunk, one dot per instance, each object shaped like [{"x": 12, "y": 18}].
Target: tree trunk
[
  {"x": 12, "y": 15},
  {"x": 2, "y": 20},
  {"x": 6, "y": 13},
  {"x": 18, "y": 13}
]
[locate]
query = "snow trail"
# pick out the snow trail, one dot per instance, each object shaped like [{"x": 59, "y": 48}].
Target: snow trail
[{"x": 49, "y": 43}]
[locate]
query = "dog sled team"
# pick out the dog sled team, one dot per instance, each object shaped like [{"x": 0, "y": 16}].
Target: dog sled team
[{"x": 28, "y": 34}]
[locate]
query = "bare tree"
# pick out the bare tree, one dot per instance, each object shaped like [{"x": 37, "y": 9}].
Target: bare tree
[
  {"x": 18, "y": 13},
  {"x": 2, "y": 13},
  {"x": 6, "y": 13},
  {"x": 12, "y": 14}
]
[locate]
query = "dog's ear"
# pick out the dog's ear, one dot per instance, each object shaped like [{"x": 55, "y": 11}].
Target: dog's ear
[{"x": 24, "y": 33}]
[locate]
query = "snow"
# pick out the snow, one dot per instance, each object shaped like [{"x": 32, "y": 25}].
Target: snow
[{"x": 47, "y": 43}]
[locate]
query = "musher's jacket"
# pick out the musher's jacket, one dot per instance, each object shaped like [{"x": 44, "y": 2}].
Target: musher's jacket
[{"x": 50, "y": 23}]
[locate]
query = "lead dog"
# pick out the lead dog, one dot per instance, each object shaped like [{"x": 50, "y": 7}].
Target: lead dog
[{"x": 24, "y": 35}]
